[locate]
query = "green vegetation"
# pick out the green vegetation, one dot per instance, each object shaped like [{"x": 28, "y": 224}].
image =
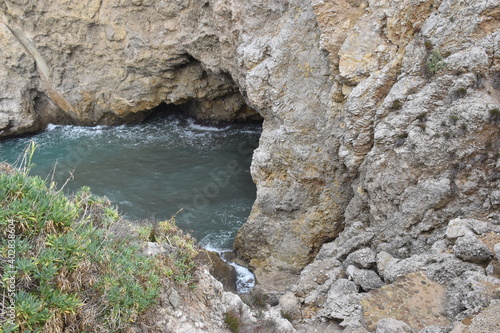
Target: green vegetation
[
  {"x": 396, "y": 105},
  {"x": 422, "y": 117},
  {"x": 233, "y": 321},
  {"x": 428, "y": 44},
  {"x": 78, "y": 266},
  {"x": 461, "y": 92},
  {"x": 435, "y": 63},
  {"x": 494, "y": 116}
]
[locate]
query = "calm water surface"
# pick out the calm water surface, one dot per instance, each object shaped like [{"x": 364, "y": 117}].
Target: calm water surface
[{"x": 155, "y": 169}]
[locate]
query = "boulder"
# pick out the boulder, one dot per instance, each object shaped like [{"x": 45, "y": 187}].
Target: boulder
[
  {"x": 471, "y": 249},
  {"x": 219, "y": 269},
  {"x": 362, "y": 258},
  {"x": 365, "y": 278},
  {"x": 389, "y": 325}
]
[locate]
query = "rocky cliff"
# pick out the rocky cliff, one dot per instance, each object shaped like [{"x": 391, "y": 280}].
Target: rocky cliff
[{"x": 381, "y": 120}]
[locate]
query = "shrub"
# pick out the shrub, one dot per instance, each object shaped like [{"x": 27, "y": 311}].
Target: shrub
[
  {"x": 78, "y": 265},
  {"x": 256, "y": 298},
  {"x": 232, "y": 321},
  {"x": 494, "y": 116},
  {"x": 460, "y": 93},
  {"x": 396, "y": 105},
  {"x": 435, "y": 63},
  {"x": 428, "y": 44},
  {"x": 286, "y": 315}
]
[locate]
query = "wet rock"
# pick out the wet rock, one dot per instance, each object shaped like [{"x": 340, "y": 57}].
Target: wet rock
[
  {"x": 389, "y": 325},
  {"x": 219, "y": 269},
  {"x": 365, "y": 278},
  {"x": 471, "y": 249}
]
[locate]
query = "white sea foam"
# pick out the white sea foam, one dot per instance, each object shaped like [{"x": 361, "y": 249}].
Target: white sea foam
[
  {"x": 245, "y": 279},
  {"x": 51, "y": 127},
  {"x": 205, "y": 128}
]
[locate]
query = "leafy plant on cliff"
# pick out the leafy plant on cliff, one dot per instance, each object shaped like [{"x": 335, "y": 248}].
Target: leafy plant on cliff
[
  {"x": 76, "y": 264},
  {"x": 435, "y": 63}
]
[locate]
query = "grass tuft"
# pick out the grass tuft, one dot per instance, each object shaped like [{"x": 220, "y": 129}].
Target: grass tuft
[{"x": 232, "y": 321}]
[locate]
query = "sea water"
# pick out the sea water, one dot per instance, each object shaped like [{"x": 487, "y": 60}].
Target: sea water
[{"x": 167, "y": 166}]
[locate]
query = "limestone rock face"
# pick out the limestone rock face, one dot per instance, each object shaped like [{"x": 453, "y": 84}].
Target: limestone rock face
[
  {"x": 108, "y": 61},
  {"x": 380, "y": 117}
]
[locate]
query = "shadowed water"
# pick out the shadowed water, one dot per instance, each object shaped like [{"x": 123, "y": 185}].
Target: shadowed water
[{"x": 155, "y": 169}]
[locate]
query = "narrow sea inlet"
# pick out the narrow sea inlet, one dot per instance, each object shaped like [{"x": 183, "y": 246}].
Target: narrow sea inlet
[{"x": 155, "y": 169}]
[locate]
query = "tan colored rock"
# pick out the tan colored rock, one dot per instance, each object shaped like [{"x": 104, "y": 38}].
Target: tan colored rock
[
  {"x": 377, "y": 113},
  {"x": 413, "y": 299}
]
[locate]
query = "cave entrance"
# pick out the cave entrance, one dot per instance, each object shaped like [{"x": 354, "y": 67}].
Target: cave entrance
[
  {"x": 202, "y": 166},
  {"x": 158, "y": 167}
]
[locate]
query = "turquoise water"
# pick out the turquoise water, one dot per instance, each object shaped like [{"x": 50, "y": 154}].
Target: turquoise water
[{"x": 155, "y": 169}]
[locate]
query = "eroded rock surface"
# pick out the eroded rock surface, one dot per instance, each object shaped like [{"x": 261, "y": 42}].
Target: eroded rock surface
[{"x": 381, "y": 122}]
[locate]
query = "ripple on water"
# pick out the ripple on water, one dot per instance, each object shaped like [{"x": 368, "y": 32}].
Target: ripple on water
[{"x": 155, "y": 169}]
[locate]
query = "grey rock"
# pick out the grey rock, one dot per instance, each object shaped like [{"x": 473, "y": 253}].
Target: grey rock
[
  {"x": 366, "y": 279},
  {"x": 479, "y": 227},
  {"x": 496, "y": 249},
  {"x": 353, "y": 237},
  {"x": 446, "y": 267},
  {"x": 342, "y": 287},
  {"x": 368, "y": 120},
  {"x": 342, "y": 303},
  {"x": 362, "y": 258},
  {"x": 174, "y": 298},
  {"x": 316, "y": 279},
  {"x": 495, "y": 198},
  {"x": 391, "y": 268},
  {"x": 441, "y": 267},
  {"x": 289, "y": 304},
  {"x": 469, "y": 294},
  {"x": 458, "y": 228},
  {"x": 355, "y": 329},
  {"x": 436, "y": 329},
  {"x": 471, "y": 249},
  {"x": 389, "y": 325},
  {"x": 153, "y": 248}
]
